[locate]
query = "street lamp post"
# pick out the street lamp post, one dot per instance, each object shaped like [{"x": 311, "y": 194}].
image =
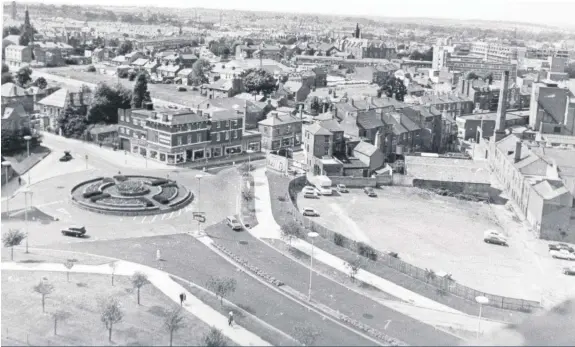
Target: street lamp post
[
  {"x": 249, "y": 152},
  {"x": 28, "y": 138},
  {"x": 199, "y": 177},
  {"x": 481, "y": 300},
  {"x": 6, "y": 165},
  {"x": 312, "y": 235},
  {"x": 26, "y": 192}
]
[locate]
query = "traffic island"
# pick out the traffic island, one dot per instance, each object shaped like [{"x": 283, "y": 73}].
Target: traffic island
[{"x": 131, "y": 195}]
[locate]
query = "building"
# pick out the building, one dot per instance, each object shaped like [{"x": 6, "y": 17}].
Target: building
[
  {"x": 364, "y": 48},
  {"x": 293, "y": 91},
  {"x": 552, "y": 109},
  {"x": 280, "y": 131},
  {"x": 14, "y": 117},
  {"x": 52, "y": 106},
  {"x": 166, "y": 42},
  {"x": 453, "y": 104},
  {"x": 540, "y": 179},
  {"x": 253, "y": 110},
  {"x": 179, "y": 136},
  {"x": 493, "y": 52},
  {"x": 373, "y": 74},
  {"x": 16, "y": 56},
  {"x": 483, "y": 124},
  {"x": 223, "y": 88},
  {"x": 101, "y": 55},
  {"x": 48, "y": 56},
  {"x": 486, "y": 96}
]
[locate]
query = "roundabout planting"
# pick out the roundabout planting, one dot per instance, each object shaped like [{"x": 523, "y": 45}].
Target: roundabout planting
[{"x": 131, "y": 195}]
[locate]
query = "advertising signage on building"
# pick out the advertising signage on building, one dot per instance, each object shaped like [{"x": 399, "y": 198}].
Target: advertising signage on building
[{"x": 277, "y": 163}]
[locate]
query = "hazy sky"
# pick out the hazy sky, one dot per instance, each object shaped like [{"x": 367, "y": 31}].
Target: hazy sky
[{"x": 558, "y": 12}]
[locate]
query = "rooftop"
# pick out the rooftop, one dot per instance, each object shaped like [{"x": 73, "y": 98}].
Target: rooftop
[{"x": 447, "y": 169}]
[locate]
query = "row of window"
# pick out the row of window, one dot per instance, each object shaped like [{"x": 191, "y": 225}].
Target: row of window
[{"x": 183, "y": 127}]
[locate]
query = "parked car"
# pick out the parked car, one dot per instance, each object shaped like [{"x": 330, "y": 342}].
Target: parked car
[
  {"x": 182, "y": 89},
  {"x": 569, "y": 271},
  {"x": 310, "y": 194},
  {"x": 370, "y": 192},
  {"x": 233, "y": 223},
  {"x": 310, "y": 212},
  {"x": 341, "y": 188},
  {"x": 562, "y": 254},
  {"x": 495, "y": 238},
  {"x": 560, "y": 246},
  {"x": 67, "y": 156},
  {"x": 74, "y": 231}
]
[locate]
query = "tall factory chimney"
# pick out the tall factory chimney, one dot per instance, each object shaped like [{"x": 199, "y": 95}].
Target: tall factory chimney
[
  {"x": 502, "y": 108},
  {"x": 14, "y": 10}
]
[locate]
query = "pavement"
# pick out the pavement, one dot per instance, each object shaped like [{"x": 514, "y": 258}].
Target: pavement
[
  {"x": 419, "y": 307},
  {"x": 165, "y": 284}
]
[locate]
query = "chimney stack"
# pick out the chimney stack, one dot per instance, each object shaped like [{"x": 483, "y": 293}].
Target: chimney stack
[
  {"x": 502, "y": 108},
  {"x": 517, "y": 151}
]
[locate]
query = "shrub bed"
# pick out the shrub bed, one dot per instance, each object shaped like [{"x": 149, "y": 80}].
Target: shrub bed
[
  {"x": 371, "y": 331},
  {"x": 132, "y": 188},
  {"x": 146, "y": 202},
  {"x": 100, "y": 196},
  {"x": 91, "y": 189},
  {"x": 366, "y": 251},
  {"x": 120, "y": 178},
  {"x": 108, "y": 180},
  {"x": 167, "y": 194},
  {"x": 87, "y": 195},
  {"x": 121, "y": 203},
  {"x": 254, "y": 269},
  {"x": 159, "y": 182},
  {"x": 162, "y": 200}
]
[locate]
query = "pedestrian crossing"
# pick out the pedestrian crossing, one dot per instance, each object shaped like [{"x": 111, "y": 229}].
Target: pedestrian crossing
[{"x": 158, "y": 218}]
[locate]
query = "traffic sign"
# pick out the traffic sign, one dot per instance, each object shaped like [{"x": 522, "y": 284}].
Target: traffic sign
[{"x": 199, "y": 216}]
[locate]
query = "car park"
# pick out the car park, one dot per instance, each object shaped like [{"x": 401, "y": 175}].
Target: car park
[
  {"x": 562, "y": 254},
  {"x": 233, "y": 223},
  {"x": 370, "y": 192},
  {"x": 495, "y": 238},
  {"x": 181, "y": 89},
  {"x": 570, "y": 270},
  {"x": 75, "y": 231},
  {"x": 341, "y": 188},
  {"x": 309, "y": 212}
]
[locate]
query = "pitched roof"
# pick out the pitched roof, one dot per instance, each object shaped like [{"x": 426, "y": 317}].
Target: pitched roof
[
  {"x": 221, "y": 84},
  {"x": 169, "y": 68},
  {"x": 12, "y": 90},
  {"x": 13, "y": 110},
  {"x": 56, "y": 99},
  {"x": 369, "y": 120},
  {"x": 15, "y": 39},
  {"x": 277, "y": 118},
  {"x": 365, "y": 148},
  {"x": 317, "y": 129},
  {"x": 331, "y": 125},
  {"x": 140, "y": 62}
]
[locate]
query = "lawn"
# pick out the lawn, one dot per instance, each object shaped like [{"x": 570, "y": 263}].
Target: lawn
[
  {"x": 24, "y": 322},
  {"x": 248, "y": 202}
]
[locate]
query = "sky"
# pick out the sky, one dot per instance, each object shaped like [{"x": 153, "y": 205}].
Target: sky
[{"x": 553, "y": 12}]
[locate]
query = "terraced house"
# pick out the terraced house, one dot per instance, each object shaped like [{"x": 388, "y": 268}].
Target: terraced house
[{"x": 177, "y": 136}]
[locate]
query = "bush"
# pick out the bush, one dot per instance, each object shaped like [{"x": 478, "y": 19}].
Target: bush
[
  {"x": 159, "y": 182},
  {"x": 366, "y": 251},
  {"x": 161, "y": 199},
  {"x": 99, "y": 197},
  {"x": 146, "y": 202},
  {"x": 120, "y": 178},
  {"x": 170, "y": 184},
  {"x": 91, "y": 194},
  {"x": 91, "y": 68},
  {"x": 108, "y": 180},
  {"x": 338, "y": 239}
]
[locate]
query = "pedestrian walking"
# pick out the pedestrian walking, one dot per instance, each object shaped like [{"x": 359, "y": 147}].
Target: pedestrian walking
[
  {"x": 182, "y": 299},
  {"x": 231, "y": 318},
  {"x": 100, "y": 144},
  {"x": 19, "y": 181},
  {"x": 158, "y": 255}
]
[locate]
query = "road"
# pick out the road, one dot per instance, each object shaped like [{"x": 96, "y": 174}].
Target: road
[
  {"x": 188, "y": 258},
  {"x": 328, "y": 292}
]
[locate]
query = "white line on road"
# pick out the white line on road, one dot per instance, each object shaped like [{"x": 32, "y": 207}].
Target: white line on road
[
  {"x": 153, "y": 219},
  {"x": 171, "y": 215},
  {"x": 50, "y": 203},
  {"x": 180, "y": 212},
  {"x": 164, "y": 216},
  {"x": 135, "y": 217},
  {"x": 144, "y": 219}
]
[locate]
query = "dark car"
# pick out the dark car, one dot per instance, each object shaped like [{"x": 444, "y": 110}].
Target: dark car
[
  {"x": 67, "y": 156},
  {"x": 370, "y": 192},
  {"x": 561, "y": 246},
  {"x": 74, "y": 231}
]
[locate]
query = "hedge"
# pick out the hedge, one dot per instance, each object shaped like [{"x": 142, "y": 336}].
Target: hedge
[
  {"x": 159, "y": 181},
  {"x": 170, "y": 184},
  {"x": 91, "y": 194},
  {"x": 108, "y": 180},
  {"x": 146, "y": 202},
  {"x": 100, "y": 196},
  {"x": 161, "y": 199},
  {"x": 120, "y": 178}
]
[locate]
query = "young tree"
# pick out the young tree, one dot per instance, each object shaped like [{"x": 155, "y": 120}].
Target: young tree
[
  {"x": 13, "y": 237},
  {"x": 315, "y": 105},
  {"x": 23, "y": 76},
  {"x": 353, "y": 267},
  {"x": 44, "y": 288},
  {"x": 69, "y": 264},
  {"x": 113, "y": 266},
  {"x": 41, "y": 83},
  {"x": 58, "y": 317},
  {"x": 140, "y": 93},
  {"x": 258, "y": 80},
  {"x": 174, "y": 321},
  {"x": 214, "y": 338},
  {"x": 247, "y": 195},
  {"x": 5, "y": 68},
  {"x": 6, "y": 74},
  {"x": 222, "y": 287},
  {"x": 110, "y": 313},
  {"x": 139, "y": 280},
  {"x": 125, "y": 48},
  {"x": 291, "y": 231},
  {"x": 199, "y": 72},
  {"x": 305, "y": 334}
]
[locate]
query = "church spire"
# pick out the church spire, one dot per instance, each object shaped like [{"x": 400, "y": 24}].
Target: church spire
[{"x": 357, "y": 31}]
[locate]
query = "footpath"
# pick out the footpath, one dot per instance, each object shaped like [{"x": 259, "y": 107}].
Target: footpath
[
  {"x": 416, "y": 306},
  {"x": 164, "y": 283}
]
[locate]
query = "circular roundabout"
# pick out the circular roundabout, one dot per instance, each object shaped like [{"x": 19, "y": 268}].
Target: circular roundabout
[{"x": 131, "y": 195}]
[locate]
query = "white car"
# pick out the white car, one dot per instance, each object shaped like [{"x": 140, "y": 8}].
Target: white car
[
  {"x": 310, "y": 212},
  {"x": 342, "y": 188},
  {"x": 233, "y": 223},
  {"x": 569, "y": 271},
  {"x": 494, "y": 237},
  {"x": 562, "y": 254}
]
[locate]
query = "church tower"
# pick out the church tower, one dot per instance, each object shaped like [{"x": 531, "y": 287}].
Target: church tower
[{"x": 357, "y": 34}]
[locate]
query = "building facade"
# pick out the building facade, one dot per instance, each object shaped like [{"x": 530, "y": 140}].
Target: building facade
[
  {"x": 280, "y": 130},
  {"x": 17, "y": 56}
]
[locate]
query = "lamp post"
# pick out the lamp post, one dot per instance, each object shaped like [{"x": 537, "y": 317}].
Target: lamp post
[
  {"x": 6, "y": 164},
  {"x": 249, "y": 152},
  {"x": 26, "y": 191},
  {"x": 481, "y": 300},
  {"x": 28, "y": 138},
  {"x": 312, "y": 235},
  {"x": 199, "y": 177}
]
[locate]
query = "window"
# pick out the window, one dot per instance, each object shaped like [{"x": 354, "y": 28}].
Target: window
[
  {"x": 227, "y": 135},
  {"x": 227, "y": 123},
  {"x": 234, "y": 123},
  {"x": 557, "y": 129},
  {"x": 217, "y": 124},
  {"x": 199, "y": 137},
  {"x": 189, "y": 138},
  {"x": 180, "y": 140},
  {"x": 218, "y": 138},
  {"x": 235, "y": 134}
]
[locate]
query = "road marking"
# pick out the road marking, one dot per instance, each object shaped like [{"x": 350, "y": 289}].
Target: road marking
[
  {"x": 64, "y": 211},
  {"x": 164, "y": 216},
  {"x": 171, "y": 215},
  {"x": 51, "y": 203},
  {"x": 153, "y": 219},
  {"x": 135, "y": 217},
  {"x": 387, "y": 324},
  {"x": 144, "y": 219},
  {"x": 189, "y": 208},
  {"x": 180, "y": 212}
]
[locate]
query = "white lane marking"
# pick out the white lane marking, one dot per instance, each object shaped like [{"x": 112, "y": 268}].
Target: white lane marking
[
  {"x": 144, "y": 219},
  {"x": 135, "y": 217},
  {"x": 153, "y": 219},
  {"x": 164, "y": 216},
  {"x": 180, "y": 212},
  {"x": 51, "y": 203},
  {"x": 171, "y": 215}
]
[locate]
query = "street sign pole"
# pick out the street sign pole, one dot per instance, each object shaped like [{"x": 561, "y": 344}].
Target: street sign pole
[{"x": 86, "y": 162}]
